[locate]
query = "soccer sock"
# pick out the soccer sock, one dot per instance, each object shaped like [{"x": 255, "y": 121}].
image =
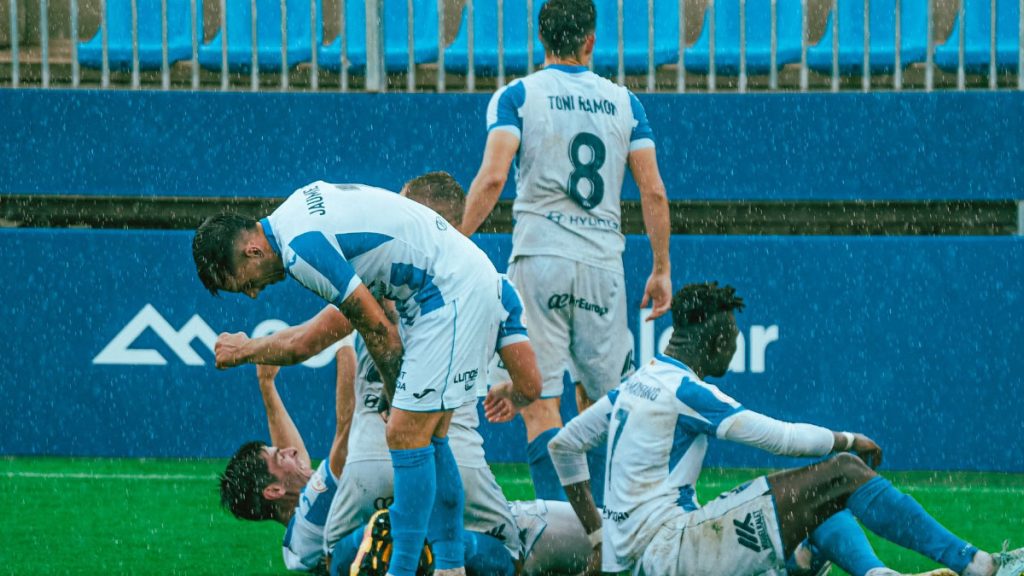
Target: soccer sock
[
  {"x": 595, "y": 462},
  {"x": 446, "y": 524},
  {"x": 486, "y": 556},
  {"x": 344, "y": 553},
  {"x": 841, "y": 541},
  {"x": 900, "y": 519},
  {"x": 415, "y": 488},
  {"x": 542, "y": 471}
]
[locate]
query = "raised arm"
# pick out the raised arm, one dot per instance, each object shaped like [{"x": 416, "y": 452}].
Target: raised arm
[
  {"x": 285, "y": 347},
  {"x": 658, "y": 292},
  {"x": 283, "y": 432},
  {"x": 501, "y": 148},
  {"x": 344, "y": 405}
]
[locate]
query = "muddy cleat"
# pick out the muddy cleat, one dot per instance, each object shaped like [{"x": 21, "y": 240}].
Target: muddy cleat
[
  {"x": 374, "y": 554},
  {"x": 1011, "y": 563}
]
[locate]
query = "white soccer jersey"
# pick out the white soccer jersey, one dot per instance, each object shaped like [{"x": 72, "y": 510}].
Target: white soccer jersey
[
  {"x": 657, "y": 424},
  {"x": 331, "y": 237},
  {"x": 304, "y": 538},
  {"x": 576, "y": 131}
]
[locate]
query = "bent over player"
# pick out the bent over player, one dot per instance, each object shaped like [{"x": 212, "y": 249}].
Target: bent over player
[
  {"x": 660, "y": 422},
  {"x": 342, "y": 242},
  {"x": 572, "y": 135}
]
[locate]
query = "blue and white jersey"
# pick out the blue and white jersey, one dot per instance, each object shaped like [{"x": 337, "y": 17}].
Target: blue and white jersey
[
  {"x": 576, "y": 130},
  {"x": 304, "y": 539},
  {"x": 332, "y": 237},
  {"x": 657, "y": 424}
]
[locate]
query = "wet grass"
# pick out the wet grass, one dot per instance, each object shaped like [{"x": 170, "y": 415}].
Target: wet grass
[{"x": 113, "y": 516}]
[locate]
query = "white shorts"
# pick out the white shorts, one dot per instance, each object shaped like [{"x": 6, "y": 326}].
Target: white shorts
[
  {"x": 736, "y": 534},
  {"x": 448, "y": 349},
  {"x": 554, "y": 541},
  {"x": 368, "y": 485},
  {"x": 576, "y": 315}
]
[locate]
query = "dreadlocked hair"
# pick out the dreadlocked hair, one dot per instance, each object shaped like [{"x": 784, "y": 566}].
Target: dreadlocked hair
[{"x": 694, "y": 303}]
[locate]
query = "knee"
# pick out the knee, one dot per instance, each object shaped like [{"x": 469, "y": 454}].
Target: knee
[{"x": 850, "y": 467}]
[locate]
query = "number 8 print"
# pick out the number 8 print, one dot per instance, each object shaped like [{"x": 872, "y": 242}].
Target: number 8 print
[{"x": 587, "y": 171}]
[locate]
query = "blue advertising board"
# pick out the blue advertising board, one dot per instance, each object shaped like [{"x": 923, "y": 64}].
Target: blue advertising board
[
  {"x": 913, "y": 341},
  {"x": 879, "y": 146}
]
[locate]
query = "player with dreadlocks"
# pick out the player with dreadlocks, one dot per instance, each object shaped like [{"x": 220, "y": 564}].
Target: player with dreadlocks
[{"x": 658, "y": 422}]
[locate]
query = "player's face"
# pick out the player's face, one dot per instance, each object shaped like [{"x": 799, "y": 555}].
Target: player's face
[
  {"x": 724, "y": 347},
  {"x": 285, "y": 465},
  {"x": 253, "y": 273}
]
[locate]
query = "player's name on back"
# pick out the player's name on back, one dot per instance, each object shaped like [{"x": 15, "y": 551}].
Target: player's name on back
[{"x": 572, "y": 103}]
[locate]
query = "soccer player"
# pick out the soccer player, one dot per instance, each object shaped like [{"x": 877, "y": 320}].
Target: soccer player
[
  {"x": 276, "y": 482},
  {"x": 341, "y": 241},
  {"x": 660, "y": 421},
  {"x": 572, "y": 135}
]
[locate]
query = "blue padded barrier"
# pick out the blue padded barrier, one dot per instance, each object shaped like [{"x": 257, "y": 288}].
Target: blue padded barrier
[
  {"x": 268, "y": 35},
  {"x": 758, "y": 37},
  {"x": 903, "y": 339},
  {"x": 150, "y": 35},
  {"x": 396, "y": 36},
  {"x": 913, "y": 36},
  {"x": 485, "y": 39}
]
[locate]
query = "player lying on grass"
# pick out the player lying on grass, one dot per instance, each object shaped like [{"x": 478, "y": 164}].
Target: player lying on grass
[{"x": 658, "y": 422}]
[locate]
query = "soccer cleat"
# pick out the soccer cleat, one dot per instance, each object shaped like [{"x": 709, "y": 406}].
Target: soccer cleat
[
  {"x": 1010, "y": 563},
  {"x": 374, "y": 554},
  {"x": 936, "y": 572}
]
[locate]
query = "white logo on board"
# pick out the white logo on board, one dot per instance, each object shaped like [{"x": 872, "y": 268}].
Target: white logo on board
[{"x": 119, "y": 350}]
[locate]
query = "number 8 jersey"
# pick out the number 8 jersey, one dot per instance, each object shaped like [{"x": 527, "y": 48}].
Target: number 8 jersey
[{"x": 576, "y": 130}]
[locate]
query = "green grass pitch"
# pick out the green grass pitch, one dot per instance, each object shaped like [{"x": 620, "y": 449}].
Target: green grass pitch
[{"x": 119, "y": 516}]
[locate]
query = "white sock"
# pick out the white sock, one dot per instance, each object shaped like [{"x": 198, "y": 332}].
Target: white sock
[{"x": 882, "y": 572}]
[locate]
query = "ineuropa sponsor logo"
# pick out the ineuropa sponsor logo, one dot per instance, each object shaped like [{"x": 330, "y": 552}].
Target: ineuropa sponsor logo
[
  {"x": 559, "y": 301},
  {"x": 120, "y": 350}
]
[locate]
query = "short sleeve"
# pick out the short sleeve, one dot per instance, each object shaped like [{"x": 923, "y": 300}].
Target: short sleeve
[
  {"x": 319, "y": 266},
  {"x": 642, "y": 136},
  {"x": 503, "y": 110}
]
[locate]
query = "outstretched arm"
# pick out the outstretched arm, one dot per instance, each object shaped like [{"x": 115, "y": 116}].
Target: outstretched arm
[
  {"x": 795, "y": 439},
  {"x": 285, "y": 347},
  {"x": 283, "y": 432},
  {"x": 344, "y": 406},
  {"x": 654, "y": 203},
  {"x": 490, "y": 179}
]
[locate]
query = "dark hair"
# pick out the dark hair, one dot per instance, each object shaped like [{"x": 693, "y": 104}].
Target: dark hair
[
  {"x": 694, "y": 303},
  {"x": 565, "y": 24},
  {"x": 243, "y": 481},
  {"x": 440, "y": 192},
  {"x": 213, "y": 247}
]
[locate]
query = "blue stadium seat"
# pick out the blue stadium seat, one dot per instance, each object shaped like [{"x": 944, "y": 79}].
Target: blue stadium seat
[
  {"x": 485, "y": 39},
  {"x": 758, "y": 37},
  {"x": 1008, "y": 34},
  {"x": 634, "y": 15},
  {"x": 396, "y": 39},
  {"x": 119, "y": 35},
  {"x": 268, "y": 31},
  {"x": 913, "y": 36},
  {"x": 978, "y": 36}
]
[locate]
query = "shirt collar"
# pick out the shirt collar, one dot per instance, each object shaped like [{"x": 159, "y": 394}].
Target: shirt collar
[
  {"x": 672, "y": 361},
  {"x": 268, "y": 231},
  {"x": 566, "y": 68}
]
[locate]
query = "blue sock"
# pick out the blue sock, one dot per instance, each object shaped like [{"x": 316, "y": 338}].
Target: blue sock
[
  {"x": 901, "y": 520},
  {"x": 841, "y": 541},
  {"x": 595, "y": 462},
  {"x": 486, "y": 556},
  {"x": 344, "y": 553},
  {"x": 446, "y": 524},
  {"x": 415, "y": 488},
  {"x": 542, "y": 471}
]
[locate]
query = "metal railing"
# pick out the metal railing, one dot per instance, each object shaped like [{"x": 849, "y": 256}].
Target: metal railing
[{"x": 726, "y": 29}]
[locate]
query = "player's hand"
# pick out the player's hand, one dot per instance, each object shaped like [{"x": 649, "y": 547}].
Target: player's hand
[
  {"x": 266, "y": 372},
  {"x": 228, "y": 349},
  {"x": 867, "y": 450},
  {"x": 498, "y": 406},
  {"x": 658, "y": 293}
]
